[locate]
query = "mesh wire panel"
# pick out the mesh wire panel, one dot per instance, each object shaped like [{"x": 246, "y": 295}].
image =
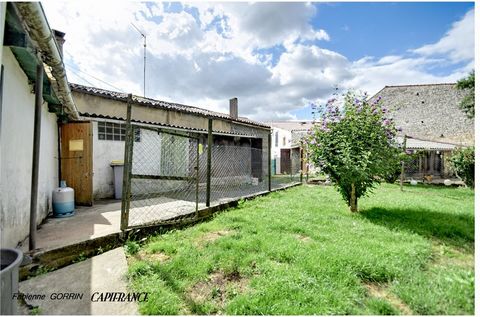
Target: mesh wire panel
[
  {"x": 163, "y": 177},
  {"x": 237, "y": 171},
  {"x": 291, "y": 169},
  {"x": 169, "y": 171}
]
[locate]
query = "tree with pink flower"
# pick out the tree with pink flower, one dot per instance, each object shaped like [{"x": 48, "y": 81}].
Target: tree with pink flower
[{"x": 354, "y": 143}]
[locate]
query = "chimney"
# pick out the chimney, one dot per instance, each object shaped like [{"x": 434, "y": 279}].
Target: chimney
[
  {"x": 234, "y": 108},
  {"x": 59, "y": 37}
]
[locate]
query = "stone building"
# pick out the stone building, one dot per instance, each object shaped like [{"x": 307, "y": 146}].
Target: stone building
[
  {"x": 431, "y": 123},
  {"x": 429, "y": 112}
]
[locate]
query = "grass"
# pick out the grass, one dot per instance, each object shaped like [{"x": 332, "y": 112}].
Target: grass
[{"x": 301, "y": 251}]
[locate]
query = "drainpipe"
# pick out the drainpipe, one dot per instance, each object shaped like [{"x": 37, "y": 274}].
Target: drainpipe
[
  {"x": 36, "y": 157},
  {"x": 33, "y": 17}
]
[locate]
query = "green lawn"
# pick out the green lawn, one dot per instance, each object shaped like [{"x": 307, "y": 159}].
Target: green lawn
[{"x": 301, "y": 251}]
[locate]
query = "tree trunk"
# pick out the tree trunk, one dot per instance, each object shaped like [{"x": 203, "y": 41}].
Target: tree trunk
[{"x": 353, "y": 199}]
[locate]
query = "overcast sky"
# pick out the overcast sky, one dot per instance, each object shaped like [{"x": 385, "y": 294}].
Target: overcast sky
[{"x": 277, "y": 58}]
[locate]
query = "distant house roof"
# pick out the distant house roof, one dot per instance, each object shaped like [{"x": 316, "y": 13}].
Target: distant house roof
[
  {"x": 292, "y": 125},
  {"x": 418, "y": 144},
  {"x": 429, "y": 111},
  {"x": 161, "y": 104}
]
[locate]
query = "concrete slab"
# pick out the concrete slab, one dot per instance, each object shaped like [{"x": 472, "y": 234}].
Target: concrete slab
[
  {"x": 103, "y": 218},
  {"x": 102, "y": 273},
  {"x": 88, "y": 222}
]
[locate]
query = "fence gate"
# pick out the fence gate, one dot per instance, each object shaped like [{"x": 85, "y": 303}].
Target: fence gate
[{"x": 161, "y": 175}]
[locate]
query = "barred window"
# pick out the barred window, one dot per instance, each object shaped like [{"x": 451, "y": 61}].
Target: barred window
[{"x": 115, "y": 132}]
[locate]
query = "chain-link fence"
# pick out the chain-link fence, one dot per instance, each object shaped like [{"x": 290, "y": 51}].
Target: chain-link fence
[
  {"x": 171, "y": 174},
  {"x": 164, "y": 178}
]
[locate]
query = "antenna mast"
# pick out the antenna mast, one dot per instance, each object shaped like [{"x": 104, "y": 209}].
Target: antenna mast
[{"x": 144, "y": 55}]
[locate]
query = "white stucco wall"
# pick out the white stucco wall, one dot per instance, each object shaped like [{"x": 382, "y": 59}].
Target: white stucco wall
[
  {"x": 147, "y": 151},
  {"x": 104, "y": 152},
  {"x": 276, "y": 148},
  {"x": 16, "y": 146},
  {"x": 3, "y": 11}
]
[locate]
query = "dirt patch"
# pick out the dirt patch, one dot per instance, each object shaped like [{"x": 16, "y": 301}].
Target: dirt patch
[
  {"x": 446, "y": 255},
  {"x": 303, "y": 238},
  {"x": 218, "y": 288},
  {"x": 212, "y": 236},
  {"x": 381, "y": 291},
  {"x": 152, "y": 257}
]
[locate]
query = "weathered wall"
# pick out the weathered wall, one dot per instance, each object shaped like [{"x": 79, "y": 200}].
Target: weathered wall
[
  {"x": 92, "y": 104},
  {"x": 16, "y": 155},
  {"x": 104, "y": 152}
]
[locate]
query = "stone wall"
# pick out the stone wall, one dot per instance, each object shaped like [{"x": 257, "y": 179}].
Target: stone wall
[{"x": 429, "y": 112}]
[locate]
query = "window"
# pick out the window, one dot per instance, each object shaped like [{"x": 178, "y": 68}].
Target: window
[
  {"x": 276, "y": 139},
  {"x": 114, "y": 132}
]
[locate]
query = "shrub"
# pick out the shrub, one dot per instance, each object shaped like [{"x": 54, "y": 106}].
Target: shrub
[
  {"x": 468, "y": 102},
  {"x": 354, "y": 144},
  {"x": 463, "y": 164}
]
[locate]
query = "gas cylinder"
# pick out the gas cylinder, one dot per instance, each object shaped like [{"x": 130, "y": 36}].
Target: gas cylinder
[{"x": 63, "y": 201}]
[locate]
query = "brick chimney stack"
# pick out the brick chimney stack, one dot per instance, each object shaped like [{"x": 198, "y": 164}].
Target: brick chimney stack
[{"x": 234, "y": 108}]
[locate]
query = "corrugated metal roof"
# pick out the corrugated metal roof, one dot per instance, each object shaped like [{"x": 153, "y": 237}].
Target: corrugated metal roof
[
  {"x": 162, "y": 104},
  {"x": 417, "y": 144}
]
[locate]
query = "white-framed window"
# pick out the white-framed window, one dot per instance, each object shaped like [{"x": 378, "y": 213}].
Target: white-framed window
[{"x": 111, "y": 131}]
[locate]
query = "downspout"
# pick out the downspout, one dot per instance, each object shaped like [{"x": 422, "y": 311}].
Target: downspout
[
  {"x": 39, "y": 31},
  {"x": 36, "y": 157}
]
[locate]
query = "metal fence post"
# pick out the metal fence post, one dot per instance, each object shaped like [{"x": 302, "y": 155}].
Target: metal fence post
[
  {"x": 127, "y": 166},
  {"x": 402, "y": 172},
  {"x": 270, "y": 162},
  {"x": 301, "y": 164},
  {"x": 209, "y": 160},
  {"x": 197, "y": 167}
]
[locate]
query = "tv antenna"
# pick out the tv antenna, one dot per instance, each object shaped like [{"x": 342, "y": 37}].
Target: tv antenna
[{"x": 144, "y": 54}]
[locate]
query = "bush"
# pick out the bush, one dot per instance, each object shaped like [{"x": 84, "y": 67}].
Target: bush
[
  {"x": 463, "y": 164},
  {"x": 355, "y": 145}
]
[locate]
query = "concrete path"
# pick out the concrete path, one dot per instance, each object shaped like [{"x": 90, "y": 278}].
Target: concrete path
[
  {"x": 88, "y": 222},
  {"x": 102, "y": 273}
]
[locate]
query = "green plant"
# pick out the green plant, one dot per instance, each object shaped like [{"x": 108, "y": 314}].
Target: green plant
[
  {"x": 35, "y": 311},
  {"x": 468, "y": 102},
  {"x": 355, "y": 145},
  {"x": 131, "y": 247},
  {"x": 463, "y": 163},
  {"x": 40, "y": 270},
  {"x": 81, "y": 257}
]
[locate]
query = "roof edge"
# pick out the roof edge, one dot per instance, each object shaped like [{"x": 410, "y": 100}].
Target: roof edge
[{"x": 110, "y": 94}]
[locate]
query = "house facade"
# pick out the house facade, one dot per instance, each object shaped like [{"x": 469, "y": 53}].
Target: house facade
[
  {"x": 29, "y": 56},
  {"x": 286, "y": 151}
]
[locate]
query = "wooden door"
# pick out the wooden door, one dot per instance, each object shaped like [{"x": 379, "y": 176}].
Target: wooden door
[
  {"x": 285, "y": 162},
  {"x": 76, "y": 158}
]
